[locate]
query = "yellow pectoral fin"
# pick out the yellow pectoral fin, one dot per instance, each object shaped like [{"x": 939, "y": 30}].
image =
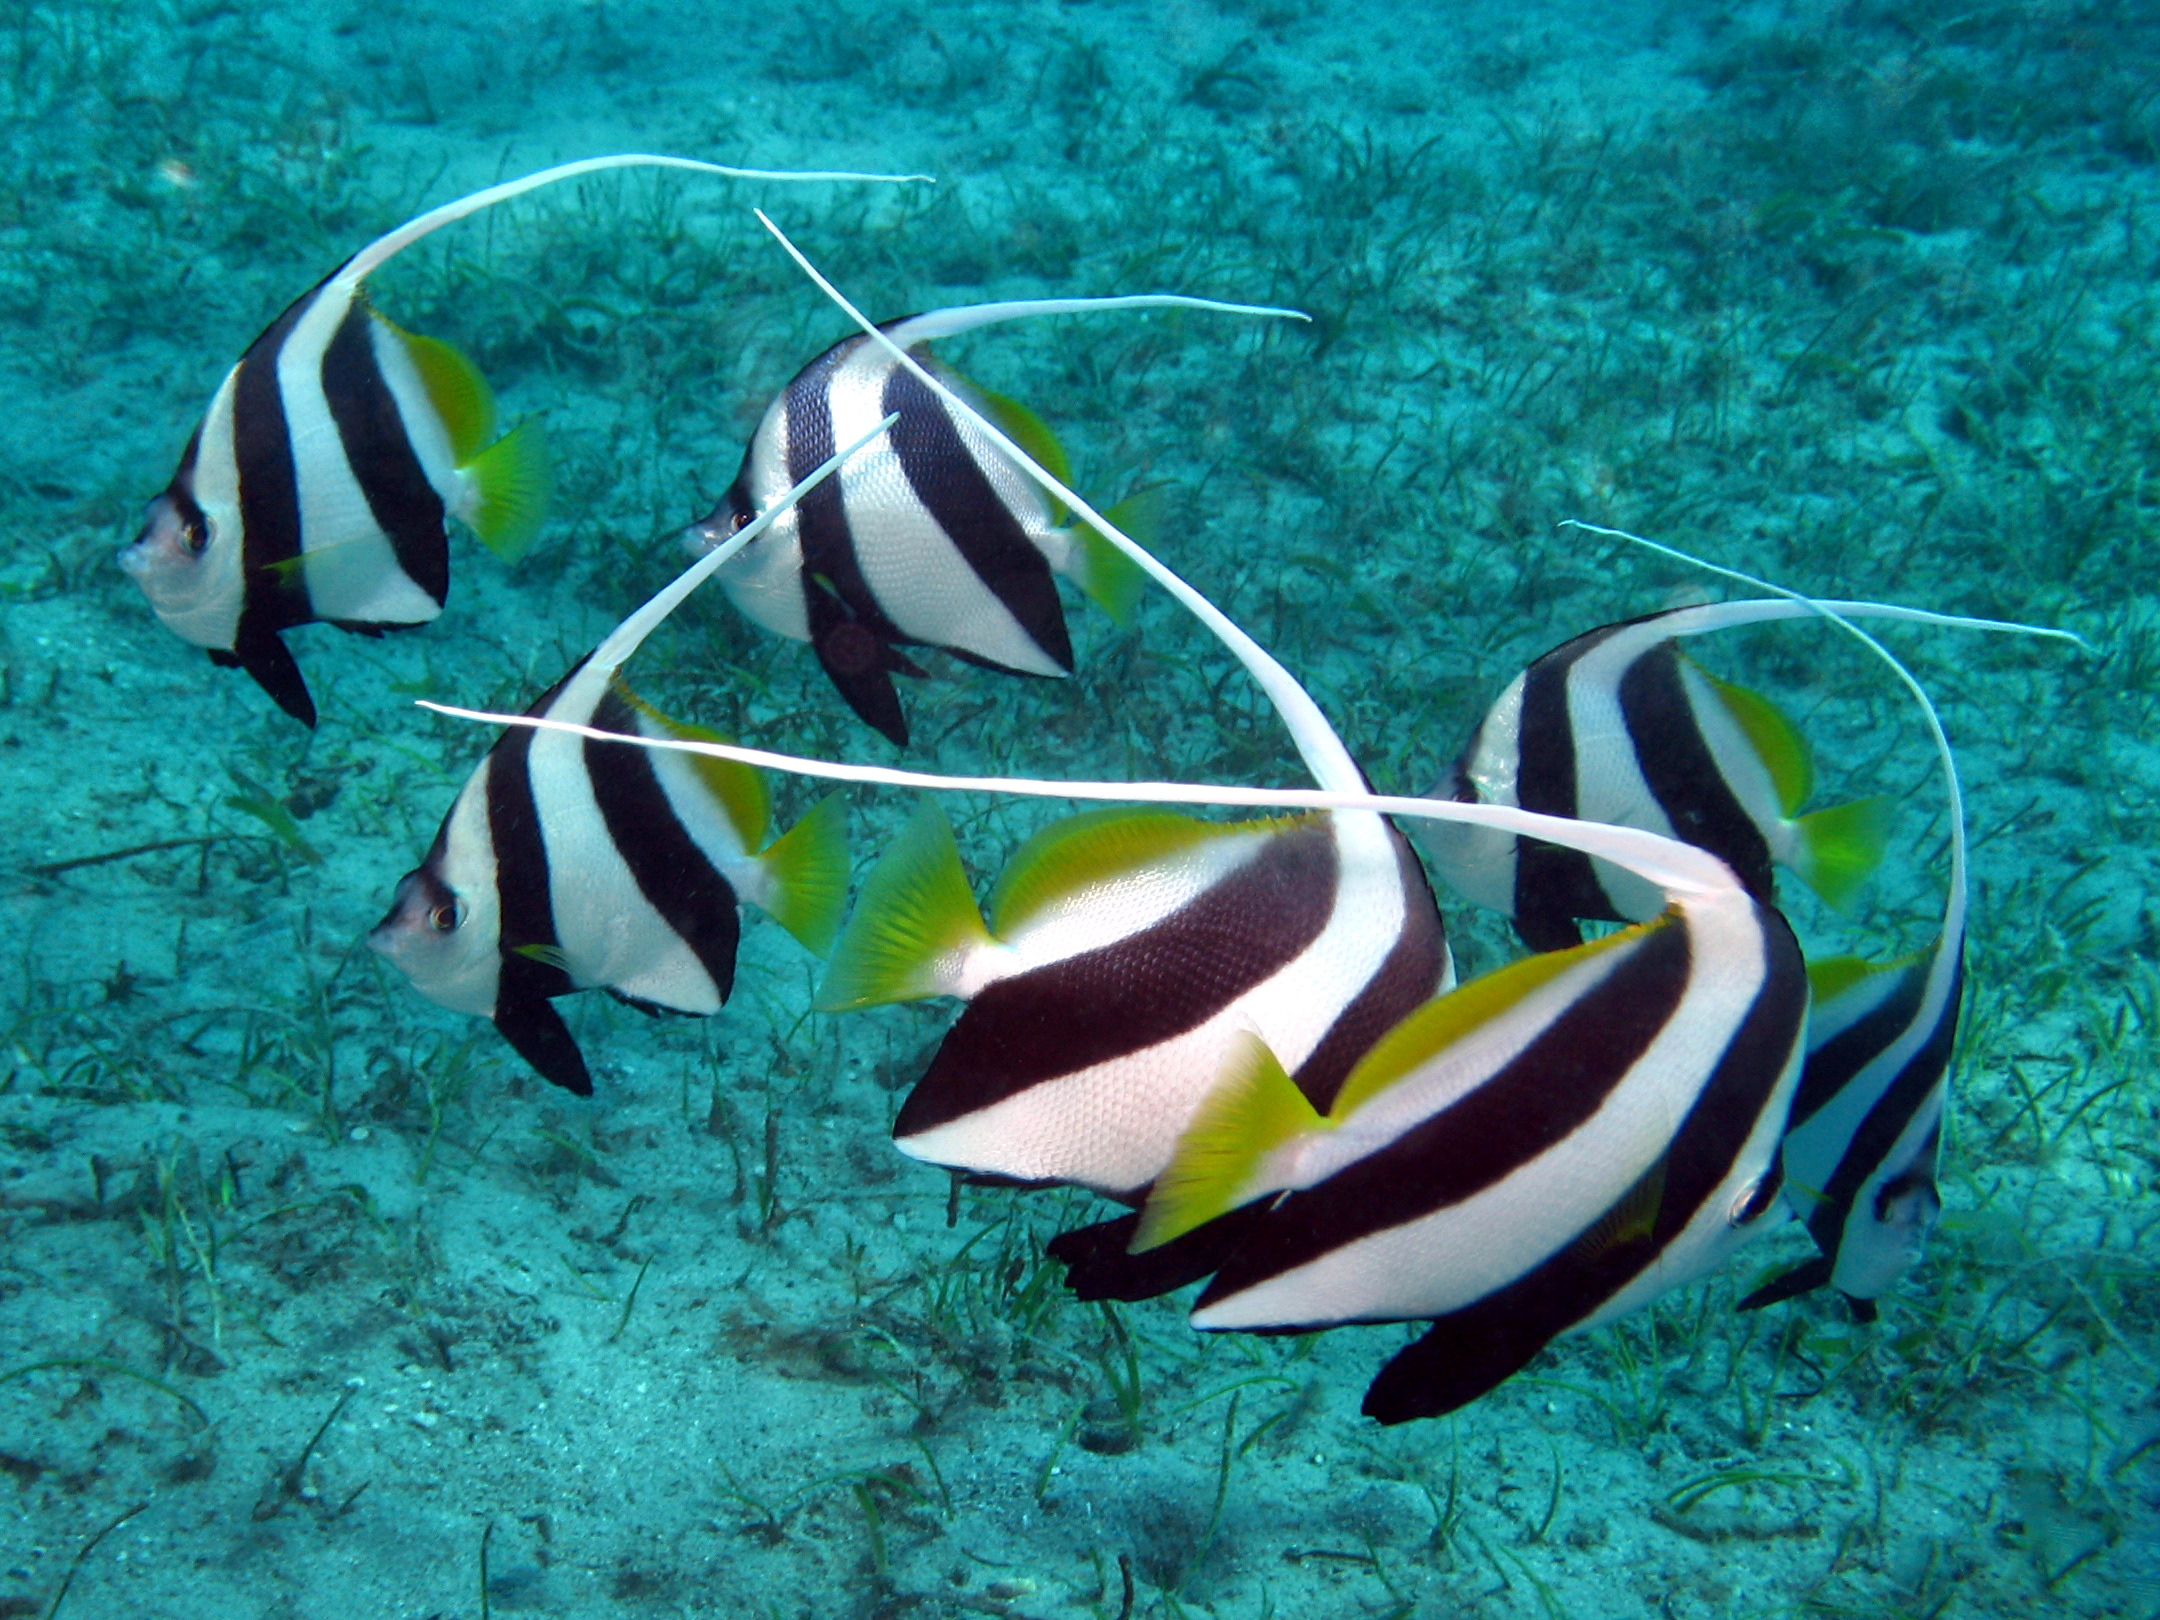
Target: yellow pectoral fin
[
  {"x": 915, "y": 919},
  {"x": 1836, "y": 848},
  {"x": 1253, "y": 1109}
]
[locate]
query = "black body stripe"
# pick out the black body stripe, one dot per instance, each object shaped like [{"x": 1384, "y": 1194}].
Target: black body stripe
[
  {"x": 379, "y": 451},
  {"x": 1682, "y": 774},
  {"x": 1539, "y": 1098},
  {"x": 821, "y": 516},
  {"x": 1467, "y": 1352},
  {"x": 1407, "y": 978},
  {"x": 848, "y": 631},
  {"x": 274, "y": 598},
  {"x": 1138, "y": 992},
  {"x": 1553, "y": 886},
  {"x": 1884, "y": 1123},
  {"x": 673, "y": 874},
  {"x": 1832, "y": 1065},
  {"x": 521, "y": 870},
  {"x": 960, "y": 499}
]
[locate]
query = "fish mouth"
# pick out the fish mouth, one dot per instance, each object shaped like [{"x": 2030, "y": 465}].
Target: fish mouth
[{"x": 133, "y": 558}]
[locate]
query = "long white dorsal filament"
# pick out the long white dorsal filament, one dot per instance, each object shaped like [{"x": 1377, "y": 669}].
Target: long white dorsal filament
[
  {"x": 1316, "y": 739},
  {"x": 1680, "y": 869},
  {"x": 933, "y": 324},
  {"x": 372, "y": 257},
  {"x": 1953, "y": 924}
]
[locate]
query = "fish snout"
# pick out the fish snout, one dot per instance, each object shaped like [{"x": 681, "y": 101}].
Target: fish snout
[
  {"x": 163, "y": 556},
  {"x": 422, "y": 910}
]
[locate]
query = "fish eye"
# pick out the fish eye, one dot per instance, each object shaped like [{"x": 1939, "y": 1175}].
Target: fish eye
[
  {"x": 444, "y": 918},
  {"x": 194, "y": 534}
]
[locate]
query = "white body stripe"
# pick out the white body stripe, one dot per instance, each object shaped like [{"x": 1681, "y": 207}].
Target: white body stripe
[
  {"x": 463, "y": 970},
  {"x": 1459, "y": 1254},
  {"x": 764, "y": 578},
  {"x": 920, "y": 580},
  {"x": 609, "y": 933},
  {"x": 1609, "y": 783},
  {"x": 424, "y": 428},
  {"x": 352, "y": 571},
  {"x": 1113, "y": 1126},
  {"x": 201, "y": 604}
]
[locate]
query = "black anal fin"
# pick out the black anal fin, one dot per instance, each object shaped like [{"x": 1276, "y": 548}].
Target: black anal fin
[
  {"x": 1098, "y": 1267},
  {"x": 536, "y": 1030},
  {"x": 264, "y": 655},
  {"x": 1863, "y": 1310},
  {"x": 860, "y": 663},
  {"x": 1800, "y": 1280},
  {"x": 1461, "y": 1357}
]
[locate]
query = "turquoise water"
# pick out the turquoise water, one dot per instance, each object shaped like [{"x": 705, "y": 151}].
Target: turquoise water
[{"x": 356, "y": 1317}]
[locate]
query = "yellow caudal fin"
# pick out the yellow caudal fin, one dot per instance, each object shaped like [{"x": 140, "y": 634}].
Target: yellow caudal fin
[
  {"x": 806, "y": 874},
  {"x": 513, "y": 486},
  {"x": 1112, "y": 580},
  {"x": 456, "y": 389},
  {"x": 1032, "y": 434},
  {"x": 1777, "y": 743},
  {"x": 1835, "y": 849},
  {"x": 915, "y": 921},
  {"x": 1253, "y": 1109}
]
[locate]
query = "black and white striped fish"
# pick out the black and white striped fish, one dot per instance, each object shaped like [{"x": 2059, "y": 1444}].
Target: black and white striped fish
[
  {"x": 1617, "y": 726},
  {"x": 1126, "y": 950},
  {"x": 317, "y": 487},
  {"x": 1865, "y": 1138},
  {"x": 570, "y": 864},
  {"x": 934, "y": 536},
  {"x": 574, "y": 863},
  {"x": 1549, "y": 1146}
]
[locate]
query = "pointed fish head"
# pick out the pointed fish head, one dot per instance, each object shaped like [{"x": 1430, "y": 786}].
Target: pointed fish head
[
  {"x": 171, "y": 558},
  {"x": 1886, "y": 1233},
  {"x": 187, "y": 555},
  {"x": 442, "y": 940},
  {"x": 723, "y": 522}
]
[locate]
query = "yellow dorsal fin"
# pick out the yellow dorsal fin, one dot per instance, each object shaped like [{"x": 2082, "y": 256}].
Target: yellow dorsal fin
[
  {"x": 1781, "y": 748},
  {"x": 739, "y": 789},
  {"x": 1068, "y": 855},
  {"x": 1443, "y": 1021},
  {"x": 455, "y": 388},
  {"x": 1032, "y": 434}
]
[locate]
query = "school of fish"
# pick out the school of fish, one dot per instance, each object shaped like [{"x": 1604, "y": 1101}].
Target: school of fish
[{"x": 1249, "y": 1033}]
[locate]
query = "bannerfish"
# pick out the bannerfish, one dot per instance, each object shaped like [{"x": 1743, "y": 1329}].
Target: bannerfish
[
  {"x": 1550, "y": 1146},
  {"x": 575, "y": 863},
  {"x": 318, "y": 484},
  {"x": 1125, "y": 951},
  {"x": 1864, "y": 1141},
  {"x": 570, "y": 864},
  {"x": 1618, "y": 726},
  {"x": 934, "y": 537}
]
